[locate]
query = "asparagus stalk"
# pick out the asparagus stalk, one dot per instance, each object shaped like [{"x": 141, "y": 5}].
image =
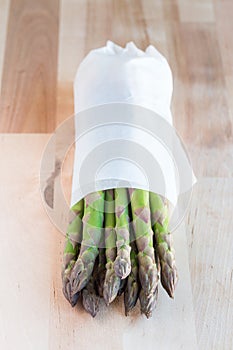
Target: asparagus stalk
[
  {"x": 66, "y": 287},
  {"x": 90, "y": 299},
  {"x": 73, "y": 235},
  {"x": 133, "y": 286},
  {"x": 163, "y": 242},
  {"x": 148, "y": 303},
  {"x": 148, "y": 272},
  {"x": 122, "y": 264},
  {"x": 92, "y": 235},
  {"x": 101, "y": 271},
  {"x": 112, "y": 281},
  {"x": 71, "y": 249}
]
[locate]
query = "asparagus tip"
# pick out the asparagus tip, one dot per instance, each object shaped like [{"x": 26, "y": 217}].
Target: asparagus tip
[
  {"x": 169, "y": 280},
  {"x": 122, "y": 267},
  {"x": 72, "y": 298},
  {"x": 131, "y": 295},
  {"x": 90, "y": 302},
  {"x": 79, "y": 277},
  {"x": 111, "y": 286},
  {"x": 129, "y": 307},
  {"x": 148, "y": 314},
  {"x": 148, "y": 302}
]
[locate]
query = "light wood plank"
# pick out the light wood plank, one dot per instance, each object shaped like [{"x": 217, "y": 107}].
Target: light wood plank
[
  {"x": 88, "y": 25},
  {"x": 198, "y": 11},
  {"x": 213, "y": 162},
  {"x": 153, "y": 12},
  {"x": 28, "y": 102},
  {"x": 4, "y": 10},
  {"x": 224, "y": 29},
  {"x": 26, "y": 241},
  {"x": 65, "y": 101},
  {"x": 129, "y": 23},
  {"x": 118, "y": 20},
  {"x": 207, "y": 121},
  {"x": 210, "y": 240},
  {"x": 200, "y": 103},
  {"x": 72, "y": 37}
]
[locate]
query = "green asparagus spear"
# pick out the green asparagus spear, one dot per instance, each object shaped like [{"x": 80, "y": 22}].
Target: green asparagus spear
[
  {"x": 112, "y": 281},
  {"x": 71, "y": 249},
  {"x": 92, "y": 235},
  {"x": 66, "y": 287},
  {"x": 133, "y": 285},
  {"x": 90, "y": 298},
  {"x": 148, "y": 273},
  {"x": 148, "y": 303},
  {"x": 73, "y": 235},
  {"x": 163, "y": 241},
  {"x": 122, "y": 264}
]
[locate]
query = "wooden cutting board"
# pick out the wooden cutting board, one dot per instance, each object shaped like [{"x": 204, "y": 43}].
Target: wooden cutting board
[{"x": 32, "y": 305}]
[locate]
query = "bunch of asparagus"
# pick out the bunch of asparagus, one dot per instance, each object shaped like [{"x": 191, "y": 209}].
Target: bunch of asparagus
[{"x": 119, "y": 242}]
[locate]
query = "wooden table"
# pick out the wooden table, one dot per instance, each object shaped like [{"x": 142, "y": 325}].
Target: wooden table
[{"x": 41, "y": 44}]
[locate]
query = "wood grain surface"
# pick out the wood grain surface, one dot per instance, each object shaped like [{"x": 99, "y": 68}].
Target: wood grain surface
[
  {"x": 29, "y": 76},
  {"x": 4, "y": 10},
  {"x": 41, "y": 44},
  {"x": 210, "y": 243}
]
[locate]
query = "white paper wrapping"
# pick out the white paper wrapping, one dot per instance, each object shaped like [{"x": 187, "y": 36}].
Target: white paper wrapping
[
  {"x": 115, "y": 74},
  {"x": 123, "y": 123}
]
